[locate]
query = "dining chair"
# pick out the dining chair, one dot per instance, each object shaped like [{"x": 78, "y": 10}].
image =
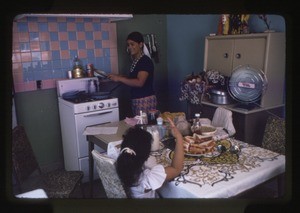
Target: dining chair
[
  {"x": 223, "y": 118},
  {"x": 274, "y": 134},
  {"x": 109, "y": 177},
  {"x": 29, "y": 176}
]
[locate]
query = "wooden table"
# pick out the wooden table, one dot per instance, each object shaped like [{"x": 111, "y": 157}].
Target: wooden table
[{"x": 204, "y": 179}]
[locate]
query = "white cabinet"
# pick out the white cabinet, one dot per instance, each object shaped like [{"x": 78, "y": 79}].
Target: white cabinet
[{"x": 265, "y": 51}]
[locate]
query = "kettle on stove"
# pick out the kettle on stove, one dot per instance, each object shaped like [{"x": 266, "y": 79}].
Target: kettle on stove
[{"x": 77, "y": 71}]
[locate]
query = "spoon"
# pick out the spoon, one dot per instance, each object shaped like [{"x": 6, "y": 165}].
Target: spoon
[{"x": 153, "y": 43}]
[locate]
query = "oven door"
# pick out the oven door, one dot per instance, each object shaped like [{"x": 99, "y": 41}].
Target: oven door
[{"x": 90, "y": 119}]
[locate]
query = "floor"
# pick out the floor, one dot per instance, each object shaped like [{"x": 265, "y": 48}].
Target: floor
[{"x": 267, "y": 190}]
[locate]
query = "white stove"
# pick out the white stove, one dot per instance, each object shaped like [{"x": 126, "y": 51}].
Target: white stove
[{"x": 78, "y": 109}]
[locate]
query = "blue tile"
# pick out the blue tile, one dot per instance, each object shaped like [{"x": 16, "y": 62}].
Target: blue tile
[
  {"x": 106, "y": 52},
  {"x": 91, "y": 60},
  {"x": 36, "y": 56},
  {"x": 107, "y": 66},
  {"x": 64, "y": 45},
  {"x": 26, "y": 66},
  {"x": 24, "y": 46},
  {"x": 65, "y": 64},
  {"x": 70, "y": 19},
  {"x": 97, "y": 26},
  {"x": 105, "y": 35},
  {"x": 89, "y": 35},
  {"x": 99, "y": 63},
  {"x": 46, "y": 65},
  {"x": 53, "y": 36},
  {"x": 81, "y": 45},
  {"x": 98, "y": 44},
  {"x": 80, "y": 26},
  {"x": 28, "y": 76},
  {"x": 38, "y": 75},
  {"x": 32, "y": 19},
  {"x": 22, "y": 27},
  {"x": 52, "y": 19},
  {"x": 33, "y": 36},
  {"x": 73, "y": 53},
  {"x": 87, "y": 19},
  {"x": 55, "y": 54},
  {"x": 44, "y": 45},
  {"x": 56, "y": 64},
  {"x": 62, "y": 26},
  {"x": 57, "y": 73},
  {"x": 90, "y": 53},
  {"x": 104, "y": 20},
  {"x": 47, "y": 74},
  {"x": 72, "y": 36},
  {"x": 43, "y": 27}
]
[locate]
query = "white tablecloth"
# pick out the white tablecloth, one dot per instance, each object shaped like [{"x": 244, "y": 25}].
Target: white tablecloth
[{"x": 203, "y": 180}]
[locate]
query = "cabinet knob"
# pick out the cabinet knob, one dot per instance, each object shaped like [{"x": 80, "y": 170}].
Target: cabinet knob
[
  {"x": 238, "y": 55},
  {"x": 225, "y": 55}
]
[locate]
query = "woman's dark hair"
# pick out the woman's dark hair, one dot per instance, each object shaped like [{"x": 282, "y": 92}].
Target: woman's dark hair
[
  {"x": 130, "y": 166},
  {"x": 136, "y": 36}
]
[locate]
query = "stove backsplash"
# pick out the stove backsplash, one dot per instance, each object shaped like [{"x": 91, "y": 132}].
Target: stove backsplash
[{"x": 44, "y": 48}]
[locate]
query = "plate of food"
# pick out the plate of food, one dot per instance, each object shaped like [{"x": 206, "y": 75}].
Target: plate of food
[
  {"x": 207, "y": 130},
  {"x": 198, "y": 145}
]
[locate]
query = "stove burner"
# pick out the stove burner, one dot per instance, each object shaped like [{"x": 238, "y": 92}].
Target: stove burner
[{"x": 87, "y": 97}]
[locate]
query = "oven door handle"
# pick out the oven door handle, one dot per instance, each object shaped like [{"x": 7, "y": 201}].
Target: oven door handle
[{"x": 97, "y": 114}]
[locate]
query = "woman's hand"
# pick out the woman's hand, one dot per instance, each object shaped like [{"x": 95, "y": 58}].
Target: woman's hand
[{"x": 114, "y": 77}]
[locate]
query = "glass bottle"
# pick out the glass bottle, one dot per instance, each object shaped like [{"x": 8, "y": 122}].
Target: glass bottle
[{"x": 196, "y": 124}]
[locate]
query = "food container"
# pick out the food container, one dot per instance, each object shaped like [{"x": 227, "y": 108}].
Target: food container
[{"x": 219, "y": 96}]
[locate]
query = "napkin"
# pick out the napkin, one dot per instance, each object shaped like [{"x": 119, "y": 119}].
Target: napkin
[{"x": 113, "y": 149}]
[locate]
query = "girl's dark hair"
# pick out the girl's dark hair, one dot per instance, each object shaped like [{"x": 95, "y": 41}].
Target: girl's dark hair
[
  {"x": 136, "y": 36},
  {"x": 130, "y": 166}
]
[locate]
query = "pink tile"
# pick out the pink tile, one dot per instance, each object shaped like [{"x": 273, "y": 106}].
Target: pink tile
[
  {"x": 26, "y": 57},
  {"x": 35, "y": 46},
  {"x": 19, "y": 87},
  {"x": 114, "y": 64},
  {"x": 88, "y": 26},
  {"x": 97, "y": 35},
  {"x": 71, "y": 26},
  {"x": 113, "y": 52},
  {"x": 24, "y": 37},
  {"x": 46, "y": 55},
  {"x": 81, "y": 35},
  {"x": 52, "y": 27},
  {"x": 82, "y": 53},
  {"x": 15, "y": 37},
  {"x": 16, "y": 57},
  {"x": 105, "y": 26},
  {"x": 17, "y": 68},
  {"x": 33, "y": 27},
  {"x": 63, "y": 36},
  {"x": 73, "y": 45},
  {"x": 65, "y": 54},
  {"x": 48, "y": 84},
  {"x": 42, "y": 19},
  {"x": 44, "y": 36},
  {"x": 98, "y": 52},
  {"x": 54, "y": 45},
  {"x": 105, "y": 43},
  {"x": 79, "y": 20},
  {"x": 113, "y": 36},
  {"x": 30, "y": 86},
  {"x": 16, "y": 47},
  {"x": 61, "y": 19},
  {"x": 18, "y": 78},
  {"x": 90, "y": 44}
]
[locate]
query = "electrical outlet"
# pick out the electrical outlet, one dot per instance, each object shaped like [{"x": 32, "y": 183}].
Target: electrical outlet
[{"x": 39, "y": 84}]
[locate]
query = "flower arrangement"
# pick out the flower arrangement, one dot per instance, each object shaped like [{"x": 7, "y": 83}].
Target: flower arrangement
[{"x": 265, "y": 19}]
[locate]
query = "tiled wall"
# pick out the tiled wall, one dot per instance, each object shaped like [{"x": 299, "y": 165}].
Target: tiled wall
[{"x": 44, "y": 48}]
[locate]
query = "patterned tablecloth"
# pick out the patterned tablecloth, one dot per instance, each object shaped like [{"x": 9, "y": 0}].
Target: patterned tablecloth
[{"x": 222, "y": 175}]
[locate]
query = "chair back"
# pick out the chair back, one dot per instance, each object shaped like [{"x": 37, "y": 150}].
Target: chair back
[
  {"x": 274, "y": 135},
  {"x": 23, "y": 159},
  {"x": 223, "y": 118},
  {"x": 106, "y": 169}
]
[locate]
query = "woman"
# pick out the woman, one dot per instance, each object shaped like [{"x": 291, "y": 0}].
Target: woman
[
  {"x": 139, "y": 177},
  {"x": 141, "y": 76}
]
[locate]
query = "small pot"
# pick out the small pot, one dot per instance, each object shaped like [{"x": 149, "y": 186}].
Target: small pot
[{"x": 219, "y": 96}]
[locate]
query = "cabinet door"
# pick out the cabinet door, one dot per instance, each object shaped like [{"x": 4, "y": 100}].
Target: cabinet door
[
  {"x": 219, "y": 55},
  {"x": 249, "y": 51}
]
